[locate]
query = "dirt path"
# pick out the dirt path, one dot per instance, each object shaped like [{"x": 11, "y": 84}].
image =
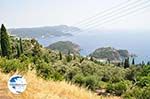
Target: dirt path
[{"x": 3, "y": 91}]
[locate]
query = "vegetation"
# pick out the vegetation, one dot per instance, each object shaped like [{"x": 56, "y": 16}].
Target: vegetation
[
  {"x": 109, "y": 53},
  {"x": 5, "y": 44},
  {"x": 126, "y": 80},
  {"x": 38, "y": 32},
  {"x": 65, "y": 47}
]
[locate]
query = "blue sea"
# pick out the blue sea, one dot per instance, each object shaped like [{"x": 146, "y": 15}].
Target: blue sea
[{"x": 136, "y": 42}]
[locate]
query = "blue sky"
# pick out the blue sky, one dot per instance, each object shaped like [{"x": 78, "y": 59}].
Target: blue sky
[{"x": 33, "y": 13}]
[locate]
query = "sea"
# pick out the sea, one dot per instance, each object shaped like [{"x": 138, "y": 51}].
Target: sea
[{"x": 136, "y": 42}]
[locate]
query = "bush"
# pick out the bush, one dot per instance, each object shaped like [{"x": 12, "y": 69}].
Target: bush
[
  {"x": 117, "y": 88},
  {"x": 105, "y": 78},
  {"x": 113, "y": 74},
  {"x": 88, "y": 68},
  {"x": 102, "y": 85},
  {"x": 91, "y": 82},
  {"x": 71, "y": 72},
  {"x": 13, "y": 65},
  {"x": 57, "y": 76},
  {"x": 79, "y": 79},
  {"x": 145, "y": 71},
  {"x": 135, "y": 93},
  {"x": 138, "y": 93},
  {"x": 146, "y": 93},
  {"x": 44, "y": 69},
  {"x": 144, "y": 81}
]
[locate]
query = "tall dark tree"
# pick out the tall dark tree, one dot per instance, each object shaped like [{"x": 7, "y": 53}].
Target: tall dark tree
[
  {"x": 143, "y": 63},
  {"x": 5, "y": 43},
  {"x": 91, "y": 58},
  {"x": 148, "y": 63},
  {"x": 21, "y": 48},
  {"x": 126, "y": 63},
  {"x": 60, "y": 55},
  {"x": 133, "y": 61},
  {"x": 69, "y": 57},
  {"x": 18, "y": 51},
  {"x": 108, "y": 60}
]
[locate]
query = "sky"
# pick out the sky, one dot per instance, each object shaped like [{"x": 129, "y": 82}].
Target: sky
[{"x": 35, "y": 13}]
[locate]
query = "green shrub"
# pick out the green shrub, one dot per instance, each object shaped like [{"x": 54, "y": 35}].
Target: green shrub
[
  {"x": 57, "y": 76},
  {"x": 79, "y": 79},
  {"x": 44, "y": 69},
  {"x": 13, "y": 65},
  {"x": 71, "y": 72},
  {"x": 117, "y": 88},
  {"x": 113, "y": 74},
  {"x": 145, "y": 71},
  {"x": 135, "y": 93},
  {"x": 144, "y": 81},
  {"x": 106, "y": 78},
  {"x": 146, "y": 93},
  {"x": 102, "y": 84},
  {"x": 88, "y": 68},
  {"x": 91, "y": 82}
]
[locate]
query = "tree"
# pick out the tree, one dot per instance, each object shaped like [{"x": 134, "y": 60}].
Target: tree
[
  {"x": 18, "y": 51},
  {"x": 68, "y": 57},
  {"x": 143, "y": 63},
  {"x": 91, "y": 58},
  {"x": 60, "y": 55},
  {"x": 148, "y": 63},
  {"x": 133, "y": 61},
  {"x": 5, "y": 43},
  {"x": 21, "y": 48},
  {"x": 108, "y": 60},
  {"x": 126, "y": 63}
]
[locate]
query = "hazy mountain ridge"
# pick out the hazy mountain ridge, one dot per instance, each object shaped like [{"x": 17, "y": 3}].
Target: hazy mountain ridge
[{"x": 47, "y": 31}]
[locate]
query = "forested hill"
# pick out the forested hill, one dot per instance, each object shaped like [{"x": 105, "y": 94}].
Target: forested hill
[
  {"x": 109, "y": 53},
  {"x": 47, "y": 31},
  {"x": 65, "y": 47}
]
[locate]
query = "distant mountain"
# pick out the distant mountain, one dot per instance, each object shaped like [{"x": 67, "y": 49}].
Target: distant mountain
[
  {"x": 110, "y": 53},
  {"x": 38, "y": 32},
  {"x": 65, "y": 47}
]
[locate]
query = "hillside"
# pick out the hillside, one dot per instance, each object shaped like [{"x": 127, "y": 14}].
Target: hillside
[
  {"x": 47, "y": 31},
  {"x": 37, "y": 88},
  {"x": 52, "y": 74},
  {"x": 109, "y": 53},
  {"x": 65, "y": 47}
]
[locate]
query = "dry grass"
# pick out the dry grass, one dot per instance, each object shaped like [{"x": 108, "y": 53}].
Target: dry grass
[{"x": 38, "y": 88}]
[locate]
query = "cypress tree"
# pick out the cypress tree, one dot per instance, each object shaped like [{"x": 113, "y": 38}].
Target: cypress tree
[
  {"x": 126, "y": 63},
  {"x": 148, "y": 63},
  {"x": 108, "y": 60},
  {"x": 69, "y": 57},
  {"x": 18, "y": 51},
  {"x": 143, "y": 63},
  {"x": 91, "y": 58},
  {"x": 5, "y": 43},
  {"x": 60, "y": 55},
  {"x": 133, "y": 62},
  {"x": 21, "y": 48}
]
